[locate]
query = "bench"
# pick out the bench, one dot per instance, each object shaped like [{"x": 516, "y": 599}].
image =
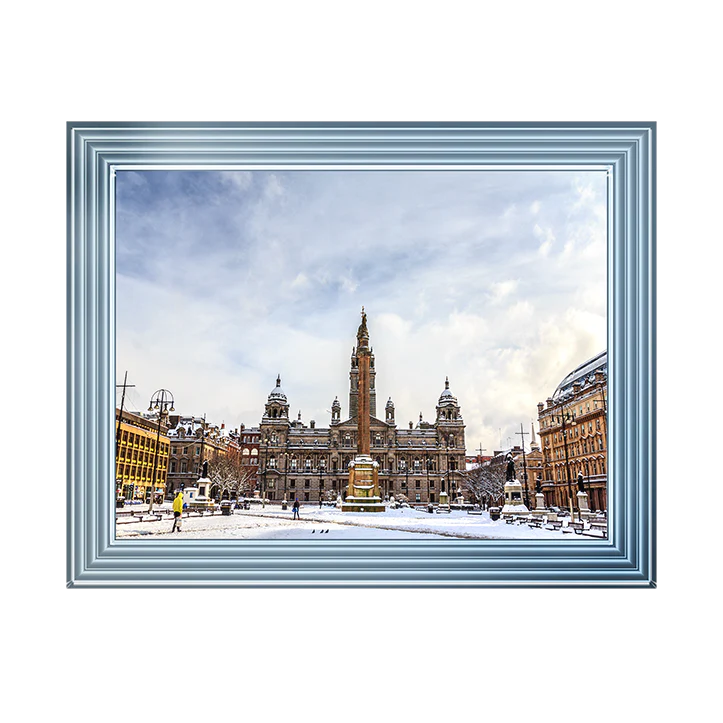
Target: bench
[
  {"x": 510, "y": 520},
  {"x": 474, "y": 512},
  {"x": 590, "y": 533},
  {"x": 534, "y": 523},
  {"x": 553, "y": 525},
  {"x": 446, "y": 511}
]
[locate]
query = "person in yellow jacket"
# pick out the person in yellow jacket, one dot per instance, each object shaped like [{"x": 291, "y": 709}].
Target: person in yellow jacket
[{"x": 177, "y": 511}]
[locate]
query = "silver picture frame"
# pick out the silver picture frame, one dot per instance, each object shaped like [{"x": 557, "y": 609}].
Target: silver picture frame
[{"x": 95, "y": 558}]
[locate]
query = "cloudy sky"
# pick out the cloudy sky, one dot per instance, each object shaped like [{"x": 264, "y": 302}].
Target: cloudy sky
[{"x": 496, "y": 279}]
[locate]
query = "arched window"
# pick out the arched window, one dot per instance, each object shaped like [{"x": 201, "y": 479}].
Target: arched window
[
  {"x": 293, "y": 464},
  {"x": 272, "y": 462},
  {"x": 246, "y": 451},
  {"x": 307, "y": 464}
]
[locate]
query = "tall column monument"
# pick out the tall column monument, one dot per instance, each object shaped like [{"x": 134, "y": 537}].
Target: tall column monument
[{"x": 363, "y": 491}]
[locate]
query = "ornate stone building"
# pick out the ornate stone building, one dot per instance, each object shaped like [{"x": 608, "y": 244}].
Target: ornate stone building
[
  {"x": 573, "y": 435},
  {"x": 194, "y": 441},
  {"x": 311, "y": 463}
]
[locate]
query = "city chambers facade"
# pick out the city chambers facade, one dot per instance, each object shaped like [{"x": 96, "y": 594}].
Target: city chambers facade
[{"x": 310, "y": 463}]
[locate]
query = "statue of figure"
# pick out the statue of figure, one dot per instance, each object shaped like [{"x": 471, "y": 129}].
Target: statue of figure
[
  {"x": 538, "y": 484},
  {"x": 204, "y": 474},
  {"x": 510, "y": 467},
  {"x": 580, "y": 482}
]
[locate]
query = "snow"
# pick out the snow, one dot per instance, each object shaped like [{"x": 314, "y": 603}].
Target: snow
[{"x": 272, "y": 522}]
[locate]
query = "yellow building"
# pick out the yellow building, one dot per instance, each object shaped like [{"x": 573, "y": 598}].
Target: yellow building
[
  {"x": 573, "y": 436},
  {"x": 136, "y": 456}
]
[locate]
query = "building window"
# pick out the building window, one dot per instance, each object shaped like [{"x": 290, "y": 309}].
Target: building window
[
  {"x": 292, "y": 483},
  {"x": 307, "y": 484},
  {"x": 418, "y": 498},
  {"x": 272, "y": 463},
  {"x": 198, "y": 451}
]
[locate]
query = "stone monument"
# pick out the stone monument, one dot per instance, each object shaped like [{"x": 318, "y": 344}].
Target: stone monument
[
  {"x": 363, "y": 491},
  {"x": 540, "y": 509},
  {"x": 513, "y": 491},
  {"x": 582, "y": 500}
]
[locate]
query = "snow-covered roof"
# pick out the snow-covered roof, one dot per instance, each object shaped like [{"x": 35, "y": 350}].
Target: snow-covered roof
[{"x": 585, "y": 373}]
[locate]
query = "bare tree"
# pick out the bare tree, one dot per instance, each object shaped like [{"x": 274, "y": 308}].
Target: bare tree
[
  {"x": 485, "y": 482},
  {"x": 227, "y": 474}
]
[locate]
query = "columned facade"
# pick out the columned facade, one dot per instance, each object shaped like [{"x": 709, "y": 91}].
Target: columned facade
[{"x": 309, "y": 463}]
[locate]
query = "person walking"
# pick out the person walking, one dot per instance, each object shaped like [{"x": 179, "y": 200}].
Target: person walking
[
  {"x": 177, "y": 512},
  {"x": 296, "y": 510}
]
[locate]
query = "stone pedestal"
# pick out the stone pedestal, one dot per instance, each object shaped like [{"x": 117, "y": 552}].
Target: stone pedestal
[
  {"x": 513, "y": 499},
  {"x": 540, "y": 509},
  {"x": 363, "y": 491},
  {"x": 443, "y": 499},
  {"x": 583, "y": 505}
]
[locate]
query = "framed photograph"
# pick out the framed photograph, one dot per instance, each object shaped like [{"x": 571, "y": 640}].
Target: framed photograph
[{"x": 361, "y": 354}]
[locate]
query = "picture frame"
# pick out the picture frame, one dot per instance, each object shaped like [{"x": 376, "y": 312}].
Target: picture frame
[{"x": 96, "y": 151}]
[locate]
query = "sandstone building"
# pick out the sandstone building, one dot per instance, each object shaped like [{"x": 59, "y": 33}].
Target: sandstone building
[
  {"x": 573, "y": 435},
  {"x": 309, "y": 463}
]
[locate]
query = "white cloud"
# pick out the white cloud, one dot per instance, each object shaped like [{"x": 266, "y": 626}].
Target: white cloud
[{"x": 225, "y": 281}]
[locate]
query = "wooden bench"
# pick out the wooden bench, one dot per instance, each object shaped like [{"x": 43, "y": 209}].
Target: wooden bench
[
  {"x": 553, "y": 525},
  {"x": 510, "y": 520},
  {"x": 443, "y": 510},
  {"x": 534, "y": 523},
  {"x": 474, "y": 512}
]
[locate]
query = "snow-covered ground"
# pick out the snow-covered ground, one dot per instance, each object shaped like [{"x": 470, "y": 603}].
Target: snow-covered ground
[{"x": 328, "y": 523}]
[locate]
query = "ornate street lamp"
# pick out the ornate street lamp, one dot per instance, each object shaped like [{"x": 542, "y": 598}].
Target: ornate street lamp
[
  {"x": 565, "y": 419},
  {"x": 162, "y": 400}
]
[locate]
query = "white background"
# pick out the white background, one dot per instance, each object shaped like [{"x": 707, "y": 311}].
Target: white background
[{"x": 509, "y": 654}]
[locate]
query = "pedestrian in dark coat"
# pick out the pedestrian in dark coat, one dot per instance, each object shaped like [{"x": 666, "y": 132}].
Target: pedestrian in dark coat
[{"x": 296, "y": 510}]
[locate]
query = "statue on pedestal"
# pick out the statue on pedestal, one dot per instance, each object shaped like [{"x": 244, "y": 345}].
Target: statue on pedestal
[
  {"x": 510, "y": 474},
  {"x": 580, "y": 482}
]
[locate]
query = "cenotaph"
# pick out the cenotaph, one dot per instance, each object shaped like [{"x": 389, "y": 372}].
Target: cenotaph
[{"x": 363, "y": 493}]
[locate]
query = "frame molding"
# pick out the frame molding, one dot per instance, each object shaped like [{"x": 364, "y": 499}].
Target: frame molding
[{"x": 95, "y": 151}]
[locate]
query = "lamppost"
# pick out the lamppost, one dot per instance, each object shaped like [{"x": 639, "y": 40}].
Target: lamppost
[
  {"x": 429, "y": 462},
  {"x": 565, "y": 419},
  {"x": 162, "y": 400},
  {"x": 406, "y": 474},
  {"x": 522, "y": 433},
  {"x": 321, "y": 479},
  {"x": 263, "y": 472},
  {"x": 285, "y": 455}
]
